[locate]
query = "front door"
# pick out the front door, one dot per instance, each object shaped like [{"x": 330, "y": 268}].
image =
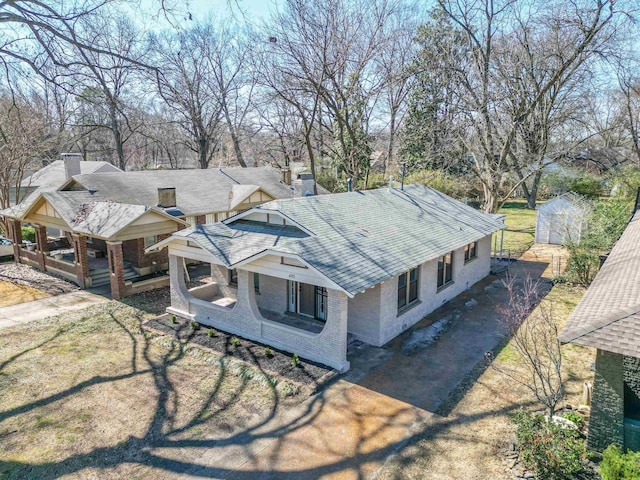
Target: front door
[{"x": 306, "y": 299}]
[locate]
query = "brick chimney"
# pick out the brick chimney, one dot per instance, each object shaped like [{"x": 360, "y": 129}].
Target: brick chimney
[
  {"x": 167, "y": 197},
  {"x": 286, "y": 175},
  {"x": 71, "y": 164},
  {"x": 304, "y": 185}
]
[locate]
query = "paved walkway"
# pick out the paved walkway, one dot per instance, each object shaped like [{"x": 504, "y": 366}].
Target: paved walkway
[
  {"x": 47, "y": 307},
  {"x": 390, "y": 396}
]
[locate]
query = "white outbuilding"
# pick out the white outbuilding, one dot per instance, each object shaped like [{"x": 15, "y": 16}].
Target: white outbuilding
[{"x": 562, "y": 220}]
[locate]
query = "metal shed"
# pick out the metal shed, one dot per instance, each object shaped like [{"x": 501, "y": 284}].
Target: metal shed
[{"x": 562, "y": 219}]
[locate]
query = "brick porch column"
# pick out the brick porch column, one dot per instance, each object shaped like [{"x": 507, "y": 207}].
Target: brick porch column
[
  {"x": 81, "y": 259},
  {"x": 41, "y": 245},
  {"x": 337, "y": 316},
  {"x": 116, "y": 270},
  {"x": 15, "y": 234}
]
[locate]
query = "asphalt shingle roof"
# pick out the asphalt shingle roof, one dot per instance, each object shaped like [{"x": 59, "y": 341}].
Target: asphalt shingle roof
[
  {"x": 51, "y": 178},
  {"x": 357, "y": 239},
  {"x": 197, "y": 191},
  {"x": 608, "y": 315},
  {"x": 93, "y": 215}
]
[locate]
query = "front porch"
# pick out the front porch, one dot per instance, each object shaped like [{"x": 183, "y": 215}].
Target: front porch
[{"x": 256, "y": 308}]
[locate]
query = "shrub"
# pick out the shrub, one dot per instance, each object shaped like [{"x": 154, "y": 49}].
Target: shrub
[
  {"x": 550, "y": 451},
  {"x": 294, "y": 360},
  {"x": 616, "y": 465},
  {"x": 235, "y": 341},
  {"x": 174, "y": 320},
  {"x": 28, "y": 233},
  {"x": 211, "y": 332},
  {"x": 586, "y": 186},
  {"x": 195, "y": 325},
  {"x": 268, "y": 352},
  {"x": 574, "y": 417}
]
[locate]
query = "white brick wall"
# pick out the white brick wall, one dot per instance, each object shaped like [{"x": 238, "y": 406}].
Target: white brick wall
[
  {"x": 244, "y": 319},
  {"x": 390, "y": 324}
]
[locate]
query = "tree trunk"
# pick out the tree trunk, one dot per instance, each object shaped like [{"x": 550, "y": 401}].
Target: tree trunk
[
  {"x": 532, "y": 197},
  {"x": 490, "y": 198},
  {"x": 234, "y": 138},
  {"x": 117, "y": 138},
  {"x": 391, "y": 145},
  {"x": 203, "y": 153}
]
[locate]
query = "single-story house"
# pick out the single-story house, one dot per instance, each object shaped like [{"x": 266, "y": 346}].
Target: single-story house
[
  {"x": 607, "y": 318},
  {"x": 303, "y": 274},
  {"x": 93, "y": 228},
  {"x": 562, "y": 219}
]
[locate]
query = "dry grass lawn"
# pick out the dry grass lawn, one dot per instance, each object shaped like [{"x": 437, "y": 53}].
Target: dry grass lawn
[
  {"x": 13, "y": 294},
  {"x": 521, "y": 228},
  {"x": 464, "y": 444},
  {"x": 89, "y": 395}
]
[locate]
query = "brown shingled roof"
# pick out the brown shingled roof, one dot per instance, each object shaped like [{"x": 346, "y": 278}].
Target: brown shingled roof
[{"x": 608, "y": 316}]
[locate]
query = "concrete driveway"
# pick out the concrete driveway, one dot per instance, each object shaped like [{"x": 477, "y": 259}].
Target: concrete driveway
[{"x": 389, "y": 397}]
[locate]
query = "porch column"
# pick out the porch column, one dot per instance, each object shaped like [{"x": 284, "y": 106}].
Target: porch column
[
  {"x": 220, "y": 275},
  {"x": 116, "y": 270},
  {"x": 81, "y": 260},
  {"x": 337, "y": 315},
  {"x": 41, "y": 245},
  {"x": 15, "y": 234}
]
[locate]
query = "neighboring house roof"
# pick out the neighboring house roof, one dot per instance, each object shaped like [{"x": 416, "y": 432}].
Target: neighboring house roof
[
  {"x": 356, "y": 239},
  {"x": 608, "y": 315},
  {"x": 95, "y": 216},
  {"x": 51, "y": 178},
  {"x": 197, "y": 191},
  {"x": 54, "y": 175}
]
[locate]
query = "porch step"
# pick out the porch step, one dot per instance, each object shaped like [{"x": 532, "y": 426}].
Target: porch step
[{"x": 102, "y": 276}]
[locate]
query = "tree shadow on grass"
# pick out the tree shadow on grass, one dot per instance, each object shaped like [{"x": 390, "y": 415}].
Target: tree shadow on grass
[{"x": 172, "y": 448}]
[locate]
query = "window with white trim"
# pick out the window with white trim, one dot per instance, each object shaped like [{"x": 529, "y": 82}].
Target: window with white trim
[
  {"x": 445, "y": 270},
  {"x": 152, "y": 240},
  {"x": 470, "y": 252},
  {"x": 408, "y": 288}
]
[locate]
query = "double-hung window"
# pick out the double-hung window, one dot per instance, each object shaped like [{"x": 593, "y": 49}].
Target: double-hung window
[
  {"x": 445, "y": 269},
  {"x": 407, "y": 288},
  {"x": 470, "y": 252}
]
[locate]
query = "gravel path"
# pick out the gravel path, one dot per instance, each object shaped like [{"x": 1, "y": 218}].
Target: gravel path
[{"x": 45, "y": 282}]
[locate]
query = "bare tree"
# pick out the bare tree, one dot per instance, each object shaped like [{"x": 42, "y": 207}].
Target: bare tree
[
  {"x": 23, "y": 138},
  {"x": 184, "y": 83},
  {"x": 533, "y": 332},
  {"x": 579, "y": 30},
  {"x": 109, "y": 83},
  {"x": 322, "y": 58}
]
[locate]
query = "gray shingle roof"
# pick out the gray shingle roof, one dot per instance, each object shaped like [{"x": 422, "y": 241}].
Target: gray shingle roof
[
  {"x": 51, "y": 178},
  {"x": 93, "y": 215},
  {"x": 608, "y": 315},
  {"x": 197, "y": 191},
  {"x": 54, "y": 175},
  {"x": 358, "y": 239}
]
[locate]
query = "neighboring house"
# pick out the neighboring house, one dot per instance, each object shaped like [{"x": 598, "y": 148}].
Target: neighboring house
[
  {"x": 303, "y": 274},
  {"x": 54, "y": 175},
  {"x": 608, "y": 318},
  {"x": 562, "y": 219},
  {"x": 104, "y": 221}
]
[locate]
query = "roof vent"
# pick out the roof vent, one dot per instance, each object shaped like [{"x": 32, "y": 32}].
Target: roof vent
[{"x": 167, "y": 197}]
